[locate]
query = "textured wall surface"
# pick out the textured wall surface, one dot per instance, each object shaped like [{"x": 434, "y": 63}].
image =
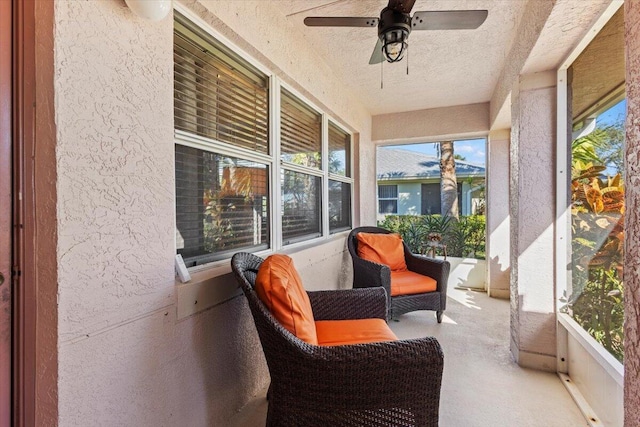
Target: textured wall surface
[
  {"x": 114, "y": 111},
  {"x": 632, "y": 219},
  {"x": 532, "y": 200},
  {"x": 498, "y": 231},
  {"x": 432, "y": 124},
  {"x": 535, "y": 15},
  {"x": 560, "y": 34},
  {"x": 124, "y": 358}
]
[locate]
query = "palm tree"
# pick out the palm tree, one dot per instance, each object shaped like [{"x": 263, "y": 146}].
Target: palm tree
[{"x": 448, "y": 181}]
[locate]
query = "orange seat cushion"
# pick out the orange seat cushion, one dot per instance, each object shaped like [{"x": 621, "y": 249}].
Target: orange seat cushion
[
  {"x": 279, "y": 287},
  {"x": 383, "y": 249},
  {"x": 408, "y": 282},
  {"x": 361, "y": 331}
]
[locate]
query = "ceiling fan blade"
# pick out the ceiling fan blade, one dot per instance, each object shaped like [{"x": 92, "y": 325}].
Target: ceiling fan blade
[
  {"x": 376, "y": 56},
  {"x": 403, "y": 6},
  {"x": 448, "y": 20},
  {"x": 339, "y": 21}
]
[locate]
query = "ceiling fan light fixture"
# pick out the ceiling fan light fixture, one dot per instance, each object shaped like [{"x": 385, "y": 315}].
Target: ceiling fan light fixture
[{"x": 394, "y": 44}]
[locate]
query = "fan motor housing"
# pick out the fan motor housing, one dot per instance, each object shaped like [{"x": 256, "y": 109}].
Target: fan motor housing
[{"x": 391, "y": 19}]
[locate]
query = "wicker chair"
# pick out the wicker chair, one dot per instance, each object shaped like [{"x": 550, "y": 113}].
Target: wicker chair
[
  {"x": 367, "y": 274},
  {"x": 393, "y": 383}
]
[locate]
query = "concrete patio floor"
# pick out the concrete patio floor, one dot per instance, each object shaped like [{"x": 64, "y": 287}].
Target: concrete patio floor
[{"x": 481, "y": 386}]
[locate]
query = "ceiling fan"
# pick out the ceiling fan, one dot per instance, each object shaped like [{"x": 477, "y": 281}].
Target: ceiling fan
[{"x": 395, "y": 24}]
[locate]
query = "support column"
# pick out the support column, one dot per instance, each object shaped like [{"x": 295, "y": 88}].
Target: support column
[
  {"x": 632, "y": 219},
  {"x": 498, "y": 263},
  {"x": 532, "y": 208}
]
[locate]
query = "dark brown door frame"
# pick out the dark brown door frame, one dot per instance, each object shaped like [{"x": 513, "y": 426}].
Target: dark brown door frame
[
  {"x": 23, "y": 244},
  {"x": 6, "y": 199}
]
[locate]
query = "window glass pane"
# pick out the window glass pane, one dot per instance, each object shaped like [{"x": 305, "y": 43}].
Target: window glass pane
[
  {"x": 597, "y": 224},
  {"x": 387, "y": 191},
  {"x": 301, "y": 130},
  {"x": 216, "y": 93},
  {"x": 597, "y": 108},
  {"x": 339, "y": 151},
  {"x": 301, "y": 202},
  {"x": 339, "y": 206},
  {"x": 221, "y": 205},
  {"x": 387, "y": 206}
]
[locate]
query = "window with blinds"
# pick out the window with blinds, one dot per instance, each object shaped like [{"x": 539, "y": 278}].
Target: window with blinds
[
  {"x": 301, "y": 132},
  {"x": 388, "y": 199},
  {"x": 339, "y": 151},
  {"x": 234, "y": 186},
  {"x": 217, "y": 95},
  {"x": 222, "y": 205},
  {"x": 222, "y": 201}
]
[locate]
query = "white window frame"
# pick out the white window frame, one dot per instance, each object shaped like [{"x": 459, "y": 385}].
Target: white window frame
[
  {"x": 293, "y": 167},
  {"x": 566, "y": 325},
  {"x": 346, "y": 178},
  {"x": 273, "y": 158}
]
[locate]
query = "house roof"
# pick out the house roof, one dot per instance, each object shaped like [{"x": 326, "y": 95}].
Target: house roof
[{"x": 396, "y": 163}]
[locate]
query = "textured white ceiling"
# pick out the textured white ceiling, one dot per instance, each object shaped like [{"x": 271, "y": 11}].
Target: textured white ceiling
[
  {"x": 446, "y": 68},
  {"x": 567, "y": 24}
]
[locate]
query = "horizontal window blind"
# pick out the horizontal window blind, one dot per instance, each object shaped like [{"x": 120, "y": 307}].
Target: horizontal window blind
[
  {"x": 216, "y": 94},
  {"x": 301, "y": 202},
  {"x": 339, "y": 206},
  {"x": 301, "y": 132},
  {"x": 339, "y": 151},
  {"x": 222, "y": 204}
]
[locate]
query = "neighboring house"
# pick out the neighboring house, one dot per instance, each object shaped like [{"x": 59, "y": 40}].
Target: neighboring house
[{"x": 409, "y": 184}]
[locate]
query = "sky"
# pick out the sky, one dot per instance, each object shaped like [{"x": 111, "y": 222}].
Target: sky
[
  {"x": 613, "y": 114},
  {"x": 473, "y": 150}
]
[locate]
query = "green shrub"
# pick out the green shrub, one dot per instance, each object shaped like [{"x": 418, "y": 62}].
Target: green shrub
[{"x": 463, "y": 238}]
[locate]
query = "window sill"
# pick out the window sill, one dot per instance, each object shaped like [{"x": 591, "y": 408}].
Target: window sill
[
  {"x": 210, "y": 285},
  {"x": 213, "y": 283},
  {"x": 308, "y": 244},
  {"x": 609, "y": 363}
]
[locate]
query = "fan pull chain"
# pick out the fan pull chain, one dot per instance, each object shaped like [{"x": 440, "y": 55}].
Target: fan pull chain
[
  {"x": 407, "y": 59},
  {"x": 381, "y": 75}
]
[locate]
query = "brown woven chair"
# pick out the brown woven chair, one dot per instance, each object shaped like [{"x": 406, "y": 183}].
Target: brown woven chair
[
  {"x": 394, "y": 383},
  {"x": 368, "y": 274}
]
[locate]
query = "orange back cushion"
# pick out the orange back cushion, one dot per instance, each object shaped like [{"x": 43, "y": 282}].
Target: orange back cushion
[
  {"x": 279, "y": 287},
  {"x": 383, "y": 249}
]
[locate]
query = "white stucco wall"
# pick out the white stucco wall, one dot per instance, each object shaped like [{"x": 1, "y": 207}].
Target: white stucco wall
[
  {"x": 124, "y": 357},
  {"x": 498, "y": 229},
  {"x": 434, "y": 124},
  {"x": 532, "y": 216}
]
